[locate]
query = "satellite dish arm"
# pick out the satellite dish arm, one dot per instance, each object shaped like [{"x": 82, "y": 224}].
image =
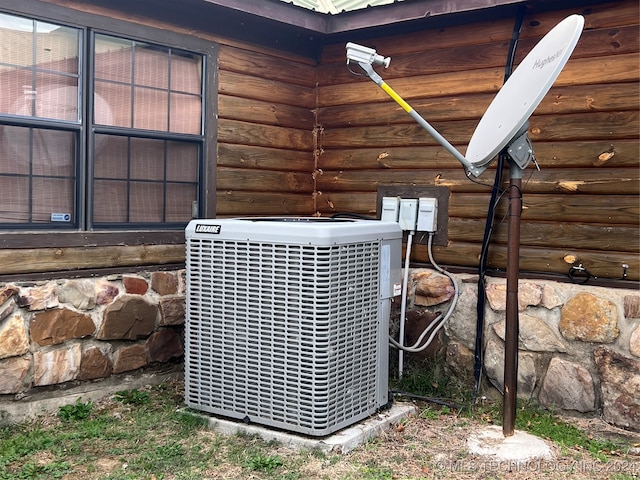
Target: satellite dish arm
[{"x": 365, "y": 65}]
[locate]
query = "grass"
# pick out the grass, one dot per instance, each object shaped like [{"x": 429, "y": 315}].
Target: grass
[
  {"x": 432, "y": 382},
  {"x": 428, "y": 379},
  {"x": 136, "y": 438},
  {"x": 545, "y": 424},
  {"x": 145, "y": 434},
  {"x": 138, "y": 435}
]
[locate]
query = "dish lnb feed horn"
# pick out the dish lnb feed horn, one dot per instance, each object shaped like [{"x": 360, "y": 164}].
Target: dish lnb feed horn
[{"x": 362, "y": 54}]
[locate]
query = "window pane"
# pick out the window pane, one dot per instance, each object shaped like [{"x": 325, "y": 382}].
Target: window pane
[
  {"x": 113, "y": 59},
  {"x": 180, "y": 199},
  {"x": 147, "y": 202},
  {"x": 56, "y": 97},
  {"x": 150, "y": 109},
  {"x": 186, "y": 72},
  {"x": 17, "y": 93},
  {"x": 52, "y": 199},
  {"x": 36, "y": 48},
  {"x": 147, "y": 159},
  {"x": 56, "y": 48},
  {"x": 151, "y": 66},
  {"x": 17, "y": 32},
  {"x": 53, "y": 153},
  {"x": 14, "y": 150},
  {"x": 182, "y": 162},
  {"x": 112, "y": 104},
  {"x": 14, "y": 201},
  {"x": 111, "y": 157},
  {"x": 186, "y": 111},
  {"x": 110, "y": 201}
]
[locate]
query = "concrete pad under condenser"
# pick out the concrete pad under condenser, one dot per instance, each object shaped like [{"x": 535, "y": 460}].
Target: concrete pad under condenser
[
  {"x": 521, "y": 447},
  {"x": 343, "y": 441}
]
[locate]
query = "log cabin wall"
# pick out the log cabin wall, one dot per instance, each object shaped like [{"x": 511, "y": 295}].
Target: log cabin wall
[
  {"x": 581, "y": 208},
  {"x": 265, "y": 134}
]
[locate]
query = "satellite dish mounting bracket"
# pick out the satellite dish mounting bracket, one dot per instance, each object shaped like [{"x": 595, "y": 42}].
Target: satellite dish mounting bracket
[{"x": 520, "y": 149}]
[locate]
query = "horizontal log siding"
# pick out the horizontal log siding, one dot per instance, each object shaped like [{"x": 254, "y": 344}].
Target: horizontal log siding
[
  {"x": 266, "y": 111},
  {"x": 583, "y": 202}
]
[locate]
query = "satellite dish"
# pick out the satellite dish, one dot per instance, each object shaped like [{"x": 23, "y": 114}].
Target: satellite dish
[
  {"x": 503, "y": 124},
  {"x": 524, "y": 90}
]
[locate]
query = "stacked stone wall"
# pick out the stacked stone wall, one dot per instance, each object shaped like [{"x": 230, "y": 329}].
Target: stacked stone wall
[
  {"x": 579, "y": 345},
  {"x": 579, "y": 350},
  {"x": 78, "y": 330}
]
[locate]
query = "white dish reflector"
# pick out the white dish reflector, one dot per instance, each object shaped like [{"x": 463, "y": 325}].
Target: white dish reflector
[{"x": 523, "y": 91}]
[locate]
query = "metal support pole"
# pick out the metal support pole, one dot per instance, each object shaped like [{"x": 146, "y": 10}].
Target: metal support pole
[{"x": 512, "y": 321}]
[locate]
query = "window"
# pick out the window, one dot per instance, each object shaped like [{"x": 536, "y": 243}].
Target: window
[
  {"x": 141, "y": 177},
  {"x": 98, "y": 130}
]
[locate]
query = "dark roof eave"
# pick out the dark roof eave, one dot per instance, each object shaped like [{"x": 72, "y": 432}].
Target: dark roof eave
[
  {"x": 406, "y": 11},
  {"x": 358, "y": 19},
  {"x": 277, "y": 11}
]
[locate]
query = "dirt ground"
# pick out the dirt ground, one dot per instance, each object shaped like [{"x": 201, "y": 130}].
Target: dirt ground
[
  {"x": 437, "y": 449},
  {"x": 422, "y": 448}
]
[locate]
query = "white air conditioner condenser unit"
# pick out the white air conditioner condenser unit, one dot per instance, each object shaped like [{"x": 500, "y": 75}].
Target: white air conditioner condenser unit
[{"x": 288, "y": 319}]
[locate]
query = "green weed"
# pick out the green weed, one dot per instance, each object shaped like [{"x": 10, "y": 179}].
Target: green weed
[
  {"x": 133, "y": 397},
  {"x": 76, "y": 411},
  {"x": 33, "y": 470},
  {"x": 372, "y": 471},
  {"x": 263, "y": 463}
]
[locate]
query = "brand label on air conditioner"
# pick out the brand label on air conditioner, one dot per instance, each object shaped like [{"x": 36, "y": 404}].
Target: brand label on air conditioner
[{"x": 203, "y": 228}]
